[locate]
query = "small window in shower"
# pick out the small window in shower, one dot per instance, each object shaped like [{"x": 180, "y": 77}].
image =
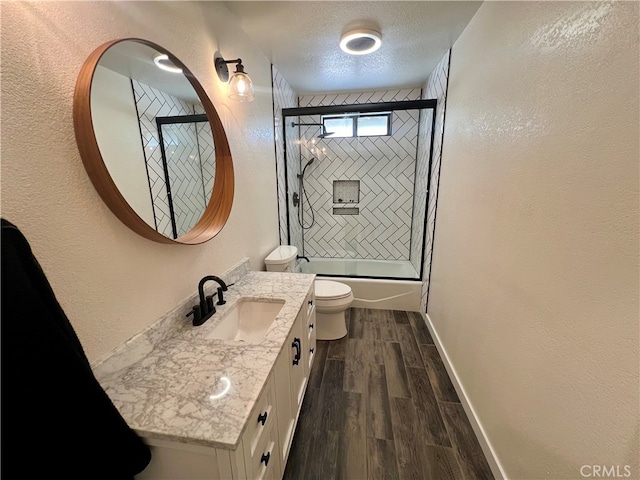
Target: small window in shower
[
  {"x": 357, "y": 125},
  {"x": 374, "y": 125},
  {"x": 339, "y": 127}
]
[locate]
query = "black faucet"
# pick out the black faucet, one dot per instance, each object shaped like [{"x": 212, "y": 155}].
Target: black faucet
[{"x": 201, "y": 313}]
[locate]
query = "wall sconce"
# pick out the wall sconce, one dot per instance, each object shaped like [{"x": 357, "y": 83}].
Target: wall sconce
[{"x": 240, "y": 85}]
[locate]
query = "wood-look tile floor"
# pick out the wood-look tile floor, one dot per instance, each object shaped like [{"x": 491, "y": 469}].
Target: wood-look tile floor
[{"x": 380, "y": 405}]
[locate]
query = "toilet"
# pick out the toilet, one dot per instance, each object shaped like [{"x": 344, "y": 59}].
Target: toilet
[{"x": 332, "y": 298}]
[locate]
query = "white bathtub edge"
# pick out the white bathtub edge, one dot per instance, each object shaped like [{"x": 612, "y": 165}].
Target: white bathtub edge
[{"x": 383, "y": 294}]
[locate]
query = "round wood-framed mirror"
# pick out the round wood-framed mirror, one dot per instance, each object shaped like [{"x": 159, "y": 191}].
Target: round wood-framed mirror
[{"x": 146, "y": 136}]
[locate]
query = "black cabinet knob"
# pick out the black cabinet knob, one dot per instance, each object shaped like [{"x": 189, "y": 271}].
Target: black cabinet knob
[
  {"x": 265, "y": 458},
  {"x": 262, "y": 418}
]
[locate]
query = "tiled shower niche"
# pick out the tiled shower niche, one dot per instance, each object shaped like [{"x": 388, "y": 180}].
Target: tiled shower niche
[{"x": 346, "y": 191}]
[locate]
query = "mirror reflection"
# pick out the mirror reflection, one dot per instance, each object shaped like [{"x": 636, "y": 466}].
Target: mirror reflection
[{"x": 154, "y": 136}]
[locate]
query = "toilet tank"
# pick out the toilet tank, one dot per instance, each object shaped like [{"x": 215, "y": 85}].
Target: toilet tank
[{"x": 282, "y": 259}]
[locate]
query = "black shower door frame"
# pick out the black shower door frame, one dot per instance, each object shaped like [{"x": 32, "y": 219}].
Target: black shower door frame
[{"x": 428, "y": 104}]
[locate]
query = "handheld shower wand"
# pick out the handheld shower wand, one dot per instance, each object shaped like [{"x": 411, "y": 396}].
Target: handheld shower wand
[
  {"x": 305, "y": 197},
  {"x": 301, "y": 175}
]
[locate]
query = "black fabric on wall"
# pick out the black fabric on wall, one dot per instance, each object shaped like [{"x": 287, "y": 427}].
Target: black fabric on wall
[{"x": 57, "y": 421}]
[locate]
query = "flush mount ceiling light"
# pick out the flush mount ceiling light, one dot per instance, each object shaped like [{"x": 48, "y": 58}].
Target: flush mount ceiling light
[
  {"x": 240, "y": 85},
  {"x": 162, "y": 61},
  {"x": 361, "y": 41}
]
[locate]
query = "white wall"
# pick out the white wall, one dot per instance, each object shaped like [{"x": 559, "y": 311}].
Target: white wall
[
  {"x": 111, "y": 282},
  {"x": 534, "y": 288},
  {"x": 114, "y": 117}
]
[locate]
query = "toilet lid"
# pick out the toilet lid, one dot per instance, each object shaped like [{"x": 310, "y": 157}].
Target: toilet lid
[
  {"x": 281, "y": 255},
  {"x": 328, "y": 290}
]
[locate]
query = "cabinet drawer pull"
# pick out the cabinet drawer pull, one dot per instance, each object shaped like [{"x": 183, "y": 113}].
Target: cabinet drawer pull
[
  {"x": 310, "y": 302},
  {"x": 311, "y": 326},
  {"x": 311, "y": 351},
  {"x": 296, "y": 345},
  {"x": 265, "y": 458},
  {"x": 262, "y": 418}
]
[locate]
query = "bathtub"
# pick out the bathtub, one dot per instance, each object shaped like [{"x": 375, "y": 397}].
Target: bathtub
[{"x": 392, "y": 292}]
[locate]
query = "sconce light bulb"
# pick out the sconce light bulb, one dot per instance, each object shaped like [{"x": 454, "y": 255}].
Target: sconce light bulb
[{"x": 241, "y": 87}]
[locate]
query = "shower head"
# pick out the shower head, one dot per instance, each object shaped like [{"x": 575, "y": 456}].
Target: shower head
[{"x": 324, "y": 133}]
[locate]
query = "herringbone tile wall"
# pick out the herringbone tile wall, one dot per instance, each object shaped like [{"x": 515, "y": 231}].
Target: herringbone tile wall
[
  {"x": 191, "y": 166},
  {"x": 284, "y": 97},
  {"x": 385, "y": 166},
  {"x": 185, "y": 176},
  {"x": 207, "y": 150},
  {"x": 436, "y": 87},
  {"x": 359, "y": 97},
  {"x": 191, "y": 182}
]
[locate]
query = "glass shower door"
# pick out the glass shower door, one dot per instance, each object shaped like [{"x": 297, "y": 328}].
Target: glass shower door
[
  {"x": 356, "y": 204},
  {"x": 189, "y": 162}
]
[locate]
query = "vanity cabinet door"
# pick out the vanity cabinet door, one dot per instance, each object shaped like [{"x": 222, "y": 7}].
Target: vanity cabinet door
[
  {"x": 260, "y": 440},
  {"x": 286, "y": 421},
  {"x": 310, "y": 349},
  {"x": 290, "y": 375},
  {"x": 298, "y": 357},
  {"x": 265, "y": 464}
]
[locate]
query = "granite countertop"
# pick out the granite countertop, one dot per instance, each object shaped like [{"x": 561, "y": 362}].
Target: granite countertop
[{"x": 168, "y": 381}]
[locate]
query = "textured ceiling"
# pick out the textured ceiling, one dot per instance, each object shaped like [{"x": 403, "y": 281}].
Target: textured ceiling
[{"x": 301, "y": 39}]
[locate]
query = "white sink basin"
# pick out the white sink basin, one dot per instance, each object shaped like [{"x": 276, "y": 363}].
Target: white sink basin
[{"x": 247, "y": 320}]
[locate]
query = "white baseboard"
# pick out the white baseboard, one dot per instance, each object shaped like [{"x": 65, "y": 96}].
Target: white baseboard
[{"x": 485, "y": 444}]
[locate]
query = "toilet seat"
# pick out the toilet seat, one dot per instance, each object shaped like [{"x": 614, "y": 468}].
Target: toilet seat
[{"x": 329, "y": 290}]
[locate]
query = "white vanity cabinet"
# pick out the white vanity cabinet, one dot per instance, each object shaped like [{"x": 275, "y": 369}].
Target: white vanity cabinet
[
  {"x": 266, "y": 439},
  {"x": 291, "y": 373},
  {"x": 257, "y": 456}
]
